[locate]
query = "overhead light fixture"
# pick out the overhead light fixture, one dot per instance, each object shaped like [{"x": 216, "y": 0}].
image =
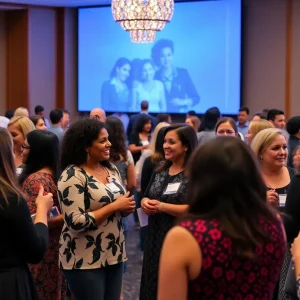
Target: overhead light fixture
[{"x": 142, "y": 18}]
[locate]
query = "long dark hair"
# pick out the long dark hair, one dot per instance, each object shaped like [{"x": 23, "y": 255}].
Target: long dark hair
[
  {"x": 225, "y": 184},
  {"x": 141, "y": 122},
  {"x": 158, "y": 154},
  {"x": 8, "y": 176},
  {"x": 80, "y": 135},
  {"x": 210, "y": 119},
  {"x": 44, "y": 153},
  {"x": 116, "y": 135},
  {"x": 187, "y": 136}
]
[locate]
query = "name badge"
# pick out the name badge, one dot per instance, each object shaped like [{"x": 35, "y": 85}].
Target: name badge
[
  {"x": 282, "y": 199},
  {"x": 113, "y": 187},
  {"x": 172, "y": 188}
]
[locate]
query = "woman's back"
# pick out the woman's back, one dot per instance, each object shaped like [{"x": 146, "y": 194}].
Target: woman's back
[{"x": 225, "y": 275}]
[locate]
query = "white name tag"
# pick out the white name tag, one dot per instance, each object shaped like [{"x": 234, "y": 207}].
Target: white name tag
[
  {"x": 145, "y": 143},
  {"x": 113, "y": 187},
  {"x": 172, "y": 188},
  {"x": 282, "y": 199}
]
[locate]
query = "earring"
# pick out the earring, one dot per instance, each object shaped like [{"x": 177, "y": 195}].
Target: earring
[
  {"x": 261, "y": 159},
  {"x": 87, "y": 156}
]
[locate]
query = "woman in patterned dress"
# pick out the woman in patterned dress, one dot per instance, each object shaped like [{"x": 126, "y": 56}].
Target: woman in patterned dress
[
  {"x": 164, "y": 201},
  {"x": 40, "y": 156},
  {"x": 93, "y": 200},
  {"x": 231, "y": 245}
]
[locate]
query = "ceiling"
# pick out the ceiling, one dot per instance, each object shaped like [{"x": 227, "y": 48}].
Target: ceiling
[{"x": 70, "y": 3}]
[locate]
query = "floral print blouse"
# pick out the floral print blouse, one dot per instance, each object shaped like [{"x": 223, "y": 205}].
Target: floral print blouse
[{"x": 83, "y": 243}]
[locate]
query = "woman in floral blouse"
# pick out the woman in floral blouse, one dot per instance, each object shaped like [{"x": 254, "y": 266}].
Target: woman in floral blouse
[{"x": 93, "y": 201}]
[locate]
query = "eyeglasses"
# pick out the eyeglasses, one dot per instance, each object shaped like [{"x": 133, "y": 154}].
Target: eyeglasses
[
  {"x": 226, "y": 132},
  {"x": 24, "y": 147}
]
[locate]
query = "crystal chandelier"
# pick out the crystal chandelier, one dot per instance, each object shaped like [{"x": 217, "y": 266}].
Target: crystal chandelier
[{"x": 142, "y": 18}]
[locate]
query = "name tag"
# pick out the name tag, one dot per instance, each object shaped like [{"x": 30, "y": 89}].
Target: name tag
[
  {"x": 282, "y": 199},
  {"x": 113, "y": 187},
  {"x": 172, "y": 188}
]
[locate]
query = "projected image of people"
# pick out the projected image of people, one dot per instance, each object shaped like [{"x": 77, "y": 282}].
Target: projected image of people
[
  {"x": 148, "y": 88},
  {"x": 180, "y": 91},
  {"x": 115, "y": 92}
]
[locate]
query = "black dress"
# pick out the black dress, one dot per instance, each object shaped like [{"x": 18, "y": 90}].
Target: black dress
[
  {"x": 158, "y": 226},
  {"x": 22, "y": 242}
]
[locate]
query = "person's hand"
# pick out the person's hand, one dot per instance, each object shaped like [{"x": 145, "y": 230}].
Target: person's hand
[
  {"x": 150, "y": 207},
  {"x": 125, "y": 203},
  {"x": 44, "y": 200},
  {"x": 273, "y": 198},
  {"x": 295, "y": 248},
  {"x": 177, "y": 101}
]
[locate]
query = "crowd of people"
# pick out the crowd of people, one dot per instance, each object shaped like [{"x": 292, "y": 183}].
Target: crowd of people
[{"x": 221, "y": 200}]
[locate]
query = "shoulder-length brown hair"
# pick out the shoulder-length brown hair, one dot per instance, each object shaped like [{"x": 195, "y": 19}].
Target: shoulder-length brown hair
[{"x": 8, "y": 176}]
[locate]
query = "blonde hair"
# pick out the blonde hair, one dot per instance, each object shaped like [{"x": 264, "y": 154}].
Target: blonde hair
[
  {"x": 195, "y": 121},
  {"x": 154, "y": 136},
  {"x": 21, "y": 112},
  {"x": 24, "y": 124},
  {"x": 8, "y": 177},
  {"x": 259, "y": 125},
  {"x": 264, "y": 139}
]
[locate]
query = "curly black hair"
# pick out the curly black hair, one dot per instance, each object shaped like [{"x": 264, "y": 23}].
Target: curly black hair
[
  {"x": 157, "y": 48},
  {"x": 116, "y": 135},
  {"x": 80, "y": 135}
]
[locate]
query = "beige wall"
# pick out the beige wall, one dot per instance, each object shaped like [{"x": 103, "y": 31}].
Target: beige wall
[
  {"x": 2, "y": 63},
  {"x": 295, "y": 103},
  {"x": 42, "y": 58}
]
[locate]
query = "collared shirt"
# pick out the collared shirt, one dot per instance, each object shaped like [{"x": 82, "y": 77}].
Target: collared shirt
[{"x": 243, "y": 129}]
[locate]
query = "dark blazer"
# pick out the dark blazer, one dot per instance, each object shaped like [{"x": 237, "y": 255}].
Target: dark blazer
[
  {"x": 133, "y": 119},
  {"x": 182, "y": 87}
]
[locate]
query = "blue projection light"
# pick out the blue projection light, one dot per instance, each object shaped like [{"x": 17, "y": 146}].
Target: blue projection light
[{"x": 194, "y": 64}]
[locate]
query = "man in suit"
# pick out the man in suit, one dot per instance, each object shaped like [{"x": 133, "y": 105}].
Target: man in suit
[{"x": 134, "y": 118}]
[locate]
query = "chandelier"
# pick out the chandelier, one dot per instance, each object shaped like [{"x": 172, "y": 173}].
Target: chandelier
[{"x": 142, "y": 18}]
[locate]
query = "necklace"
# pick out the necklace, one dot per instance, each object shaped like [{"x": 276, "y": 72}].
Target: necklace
[{"x": 99, "y": 173}]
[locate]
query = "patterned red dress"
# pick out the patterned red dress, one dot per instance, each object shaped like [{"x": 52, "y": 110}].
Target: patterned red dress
[
  {"x": 226, "y": 276},
  {"x": 47, "y": 276}
]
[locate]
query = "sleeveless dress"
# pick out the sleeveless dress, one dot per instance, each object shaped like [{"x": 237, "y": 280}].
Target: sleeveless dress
[
  {"x": 158, "y": 226},
  {"x": 227, "y": 276}
]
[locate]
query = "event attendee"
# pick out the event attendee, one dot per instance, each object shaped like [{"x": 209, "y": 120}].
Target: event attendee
[
  {"x": 259, "y": 116},
  {"x": 92, "y": 200},
  {"x": 40, "y": 111},
  {"x": 123, "y": 117},
  {"x": 295, "y": 249},
  {"x": 115, "y": 91},
  {"x": 122, "y": 159},
  {"x": 255, "y": 127},
  {"x": 3, "y": 122},
  {"x": 215, "y": 252},
  {"x": 19, "y": 127},
  {"x": 296, "y": 160},
  {"x": 38, "y": 122},
  {"x": 21, "y": 112},
  {"x": 165, "y": 200},
  {"x": 9, "y": 113},
  {"x": 66, "y": 119},
  {"x": 270, "y": 147},
  {"x": 293, "y": 129},
  {"x": 164, "y": 118},
  {"x": 243, "y": 120},
  {"x": 98, "y": 114},
  {"x": 226, "y": 127},
  {"x": 277, "y": 118},
  {"x": 56, "y": 118},
  {"x": 190, "y": 113},
  {"x": 139, "y": 139},
  {"x": 40, "y": 157},
  {"x": 146, "y": 87},
  {"x": 193, "y": 121},
  {"x": 134, "y": 118},
  {"x": 22, "y": 241},
  {"x": 181, "y": 93},
  {"x": 208, "y": 124}
]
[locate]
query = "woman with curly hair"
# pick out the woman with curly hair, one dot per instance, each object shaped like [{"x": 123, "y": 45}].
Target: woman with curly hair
[{"x": 92, "y": 200}]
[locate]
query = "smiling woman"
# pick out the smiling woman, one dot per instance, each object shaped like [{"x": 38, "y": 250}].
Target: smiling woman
[{"x": 93, "y": 200}]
